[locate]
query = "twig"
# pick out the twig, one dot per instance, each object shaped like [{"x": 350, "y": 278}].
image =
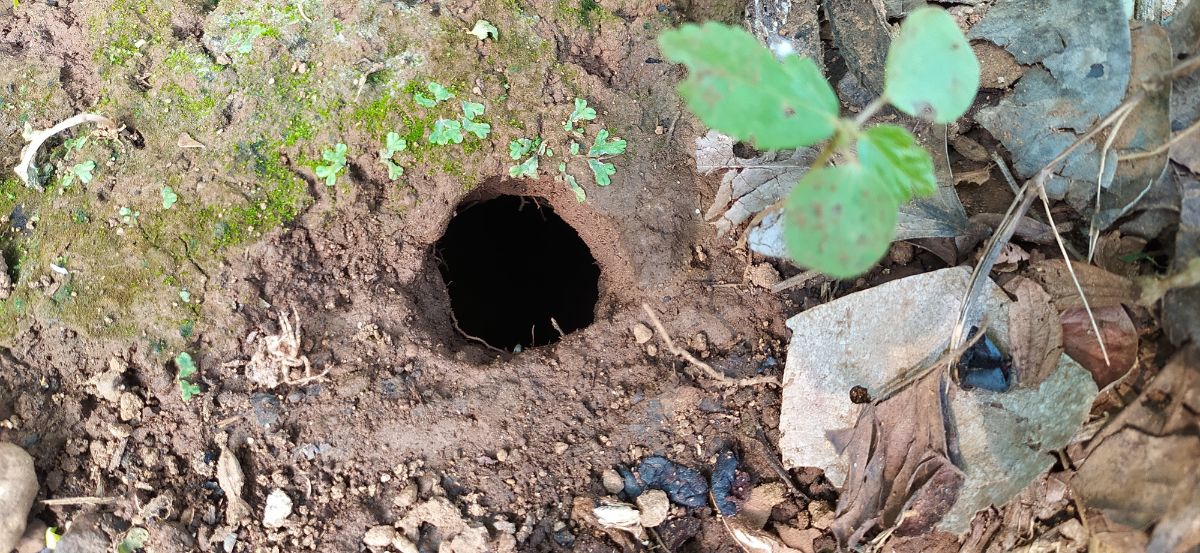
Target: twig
[
  {"x": 37, "y": 138},
  {"x": 1075, "y": 279},
  {"x": 86, "y": 500},
  {"x": 454, "y": 320},
  {"x": 708, "y": 370},
  {"x": 797, "y": 280},
  {"x": 1162, "y": 147},
  {"x": 1093, "y": 232},
  {"x": 773, "y": 460}
]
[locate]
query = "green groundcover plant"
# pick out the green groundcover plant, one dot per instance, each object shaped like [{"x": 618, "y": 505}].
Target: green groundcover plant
[{"x": 838, "y": 219}]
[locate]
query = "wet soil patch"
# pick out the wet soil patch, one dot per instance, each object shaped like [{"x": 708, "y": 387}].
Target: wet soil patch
[{"x": 516, "y": 273}]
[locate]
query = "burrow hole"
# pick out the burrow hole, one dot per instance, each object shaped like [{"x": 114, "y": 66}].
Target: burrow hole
[{"x": 518, "y": 275}]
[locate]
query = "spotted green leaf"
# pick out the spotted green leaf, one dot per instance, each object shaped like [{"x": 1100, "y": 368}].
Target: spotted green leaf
[
  {"x": 839, "y": 220},
  {"x": 169, "y": 197},
  {"x": 476, "y": 128},
  {"x": 446, "y": 131},
  {"x": 471, "y": 110},
  {"x": 602, "y": 171},
  {"x": 519, "y": 147},
  {"x": 527, "y": 169},
  {"x": 903, "y": 167},
  {"x": 931, "y": 71},
  {"x": 483, "y": 29},
  {"x": 602, "y": 146},
  {"x": 737, "y": 86}
]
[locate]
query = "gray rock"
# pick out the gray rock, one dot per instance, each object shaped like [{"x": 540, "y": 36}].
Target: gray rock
[{"x": 18, "y": 488}]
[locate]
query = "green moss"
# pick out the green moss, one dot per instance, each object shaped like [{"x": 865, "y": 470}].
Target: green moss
[
  {"x": 283, "y": 196},
  {"x": 195, "y": 107},
  {"x": 298, "y": 129},
  {"x": 373, "y": 117}
]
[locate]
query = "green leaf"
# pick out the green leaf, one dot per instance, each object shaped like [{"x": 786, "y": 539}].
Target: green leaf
[
  {"x": 931, "y": 71},
  {"x": 185, "y": 365},
  {"x": 394, "y": 171},
  {"x": 527, "y": 169},
  {"x": 581, "y": 113},
  {"x": 393, "y": 143},
  {"x": 423, "y": 100},
  {"x": 327, "y": 172},
  {"x": 337, "y": 155},
  {"x": 519, "y": 147},
  {"x": 478, "y": 129},
  {"x": 135, "y": 538},
  {"x": 839, "y": 220},
  {"x": 574, "y": 148},
  {"x": 169, "y": 197},
  {"x": 580, "y": 195},
  {"x": 471, "y": 110},
  {"x": 185, "y": 296},
  {"x": 446, "y": 131},
  {"x": 602, "y": 171},
  {"x": 188, "y": 390},
  {"x": 440, "y": 93},
  {"x": 736, "y": 86},
  {"x": 904, "y": 167},
  {"x": 602, "y": 146},
  {"x": 483, "y": 29}
]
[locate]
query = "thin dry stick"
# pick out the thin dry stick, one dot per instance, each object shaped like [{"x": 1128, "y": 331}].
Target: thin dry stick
[
  {"x": 798, "y": 280},
  {"x": 87, "y": 500},
  {"x": 1093, "y": 232},
  {"x": 1163, "y": 147},
  {"x": 708, "y": 370}
]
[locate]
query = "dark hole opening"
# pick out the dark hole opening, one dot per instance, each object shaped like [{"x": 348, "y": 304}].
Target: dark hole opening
[{"x": 514, "y": 269}]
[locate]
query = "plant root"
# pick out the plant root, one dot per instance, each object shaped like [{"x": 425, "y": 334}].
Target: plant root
[{"x": 705, "y": 367}]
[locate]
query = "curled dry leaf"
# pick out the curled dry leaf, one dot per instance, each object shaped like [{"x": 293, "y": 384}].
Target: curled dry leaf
[
  {"x": 901, "y": 475},
  {"x": 1035, "y": 333},
  {"x": 1120, "y": 336},
  {"x": 1103, "y": 289},
  {"x": 231, "y": 479}
]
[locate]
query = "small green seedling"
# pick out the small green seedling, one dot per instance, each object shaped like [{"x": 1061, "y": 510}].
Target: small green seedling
[
  {"x": 471, "y": 110},
  {"x": 74, "y": 145},
  {"x": 534, "y": 149},
  {"x": 527, "y": 169},
  {"x": 335, "y": 162},
  {"x": 483, "y": 29},
  {"x": 446, "y": 131},
  {"x": 185, "y": 369},
  {"x": 601, "y": 149},
  {"x": 81, "y": 171},
  {"x": 581, "y": 113},
  {"x": 135, "y": 540},
  {"x": 169, "y": 197},
  {"x": 439, "y": 92},
  {"x": 521, "y": 146},
  {"x": 391, "y": 145},
  {"x": 563, "y": 175},
  {"x": 241, "y": 38},
  {"x": 185, "y": 296},
  {"x": 837, "y": 220},
  {"x": 128, "y": 216}
]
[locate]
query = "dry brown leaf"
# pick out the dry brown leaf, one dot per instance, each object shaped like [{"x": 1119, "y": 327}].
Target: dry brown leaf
[
  {"x": 1103, "y": 289},
  {"x": 1110, "y": 537},
  {"x": 1120, "y": 337},
  {"x": 231, "y": 479},
  {"x": 1135, "y": 477},
  {"x": 757, "y": 541},
  {"x": 976, "y": 176},
  {"x": 186, "y": 141},
  {"x": 900, "y": 473},
  {"x": 1035, "y": 334},
  {"x": 1112, "y": 249}
]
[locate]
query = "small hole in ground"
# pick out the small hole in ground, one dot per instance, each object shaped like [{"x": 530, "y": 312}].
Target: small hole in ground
[{"x": 514, "y": 269}]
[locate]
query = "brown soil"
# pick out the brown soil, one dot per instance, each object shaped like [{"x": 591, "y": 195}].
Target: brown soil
[{"x": 407, "y": 401}]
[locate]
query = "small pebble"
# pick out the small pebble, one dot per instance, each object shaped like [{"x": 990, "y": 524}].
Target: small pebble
[
  {"x": 654, "y": 507},
  {"x": 279, "y": 507},
  {"x": 18, "y": 488},
  {"x": 642, "y": 333},
  {"x": 560, "y": 448},
  {"x": 379, "y": 536},
  {"x": 613, "y": 483}
]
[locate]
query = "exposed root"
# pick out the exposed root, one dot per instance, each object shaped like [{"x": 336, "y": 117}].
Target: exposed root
[
  {"x": 37, "y": 138},
  {"x": 708, "y": 370}
]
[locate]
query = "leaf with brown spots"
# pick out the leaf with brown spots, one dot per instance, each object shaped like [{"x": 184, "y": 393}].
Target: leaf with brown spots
[{"x": 839, "y": 220}]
